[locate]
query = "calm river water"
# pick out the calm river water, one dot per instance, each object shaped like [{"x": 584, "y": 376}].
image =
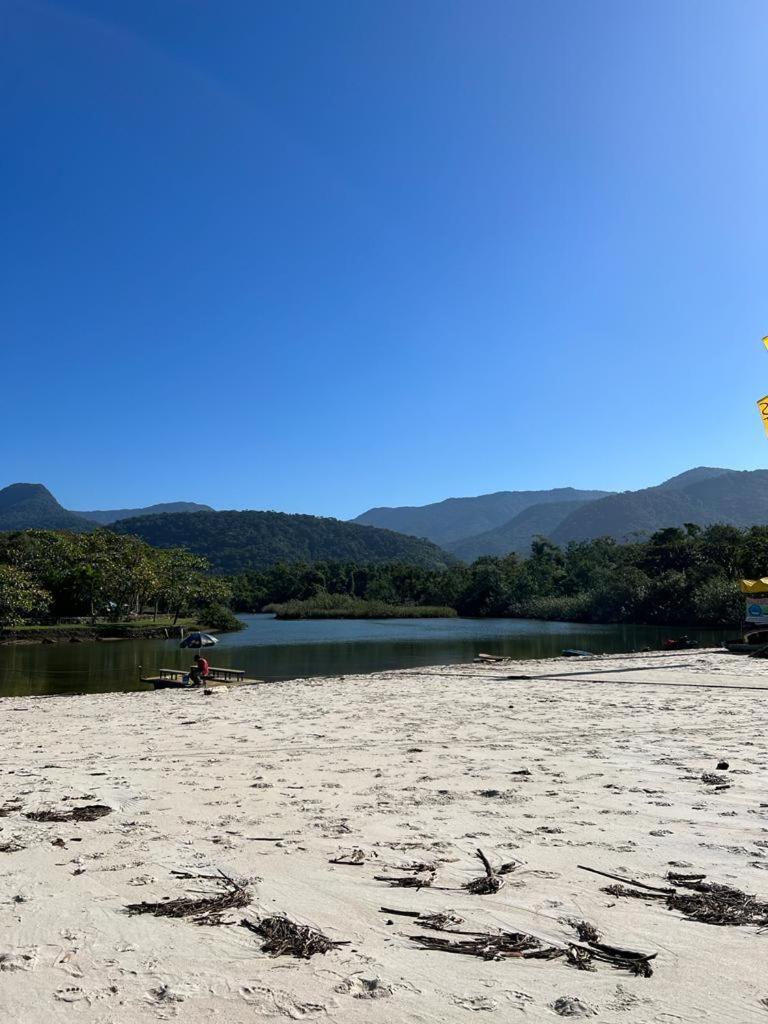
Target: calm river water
[{"x": 268, "y": 649}]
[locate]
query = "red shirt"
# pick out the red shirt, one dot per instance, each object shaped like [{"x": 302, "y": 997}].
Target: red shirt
[{"x": 203, "y": 666}]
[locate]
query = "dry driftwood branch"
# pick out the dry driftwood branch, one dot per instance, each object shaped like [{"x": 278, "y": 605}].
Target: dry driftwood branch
[
  {"x": 90, "y": 812},
  {"x": 354, "y": 859},
  {"x": 619, "y": 957},
  {"x": 12, "y": 846},
  {"x": 638, "y": 894},
  {"x": 707, "y": 902},
  {"x": 231, "y": 895},
  {"x": 439, "y": 922},
  {"x": 283, "y": 937},
  {"x": 504, "y": 945},
  {"x": 407, "y": 881},
  {"x": 491, "y": 882},
  {"x": 627, "y": 881},
  {"x": 487, "y": 946}
]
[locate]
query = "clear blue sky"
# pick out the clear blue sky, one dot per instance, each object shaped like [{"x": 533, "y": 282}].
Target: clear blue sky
[{"x": 317, "y": 255}]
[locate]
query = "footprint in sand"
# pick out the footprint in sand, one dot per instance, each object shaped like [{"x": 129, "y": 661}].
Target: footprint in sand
[
  {"x": 268, "y": 1000},
  {"x": 71, "y": 994},
  {"x": 25, "y": 959},
  {"x": 476, "y": 1003},
  {"x": 365, "y": 988}
]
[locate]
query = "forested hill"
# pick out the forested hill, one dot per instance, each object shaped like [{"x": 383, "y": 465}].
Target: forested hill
[
  {"x": 516, "y": 535},
  {"x": 701, "y": 496},
  {"x": 238, "y": 541},
  {"x": 32, "y": 506}
]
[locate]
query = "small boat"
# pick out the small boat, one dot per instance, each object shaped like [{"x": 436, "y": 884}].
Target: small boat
[{"x": 572, "y": 652}]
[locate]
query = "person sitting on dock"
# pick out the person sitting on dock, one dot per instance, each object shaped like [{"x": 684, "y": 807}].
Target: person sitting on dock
[{"x": 199, "y": 671}]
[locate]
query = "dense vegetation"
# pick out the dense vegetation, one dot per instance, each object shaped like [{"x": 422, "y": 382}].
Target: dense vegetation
[
  {"x": 46, "y": 575},
  {"x": 233, "y": 541},
  {"x": 681, "y": 576},
  {"x": 343, "y": 606},
  {"x": 684, "y": 576}
]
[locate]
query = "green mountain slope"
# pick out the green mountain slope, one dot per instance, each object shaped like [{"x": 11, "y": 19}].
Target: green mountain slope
[
  {"x": 517, "y": 534},
  {"x": 454, "y": 519},
  {"x": 236, "y": 541},
  {"x": 700, "y": 496},
  {"x": 32, "y": 506}
]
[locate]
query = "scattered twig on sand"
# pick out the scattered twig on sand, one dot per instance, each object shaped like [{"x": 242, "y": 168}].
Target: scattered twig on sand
[
  {"x": 519, "y": 945},
  {"x": 628, "y": 881},
  {"x": 587, "y": 932},
  {"x": 717, "y": 782},
  {"x": 707, "y": 902},
  {"x": 488, "y": 946},
  {"x": 283, "y": 937},
  {"x": 676, "y": 878},
  {"x": 638, "y": 894},
  {"x": 408, "y": 881},
  {"x": 490, "y": 882},
  {"x": 206, "y": 910},
  {"x": 12, "y": 846},
  {"x": 437, "y": 921},
  {"x": 354, "y": 859},
  {"x": 90, "y": 812},
  {"x": 712, "y": 903},
  {"x": 634, "y": 961}
]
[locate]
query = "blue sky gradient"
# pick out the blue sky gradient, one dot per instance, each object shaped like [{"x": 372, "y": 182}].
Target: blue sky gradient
[{"x": 318, "y": 256}]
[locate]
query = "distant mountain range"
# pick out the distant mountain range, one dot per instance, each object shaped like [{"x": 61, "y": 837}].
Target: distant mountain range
[
  {"x": 457, "y": 519},
  {"x": 704, "y": 495},
  {"x": 700, "y": 496},
  {"x": 238, "y": 541},
  {"x": 428, "y": 535},
  {"x": 107, "y": 516},
  {"x": 518, "y": 533},
  {"x": 32, "y": 506}
]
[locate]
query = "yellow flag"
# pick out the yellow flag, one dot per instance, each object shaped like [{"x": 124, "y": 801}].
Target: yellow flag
[
  {"x": 765, "y": 341},
  {"x": 762, "y": 405}
]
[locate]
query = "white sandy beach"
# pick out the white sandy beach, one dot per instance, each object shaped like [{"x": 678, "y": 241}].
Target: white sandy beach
[{"x": 406, "y": 766}]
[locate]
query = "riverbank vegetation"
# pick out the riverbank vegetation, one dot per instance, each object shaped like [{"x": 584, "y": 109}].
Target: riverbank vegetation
[
  {"x": 687, "y": 576},
  {"x": 48, "y": 576},
  {"x": 343, "y": 606},
  {"x": 680, "y": 576}
]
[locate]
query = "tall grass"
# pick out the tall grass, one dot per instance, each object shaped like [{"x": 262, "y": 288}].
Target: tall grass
[{"x": 341, "y": 606}]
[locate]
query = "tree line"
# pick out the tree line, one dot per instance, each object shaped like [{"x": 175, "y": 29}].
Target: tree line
[
  {"x": 46, "y": 574},
  {"x": 680, "y": 576}
]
